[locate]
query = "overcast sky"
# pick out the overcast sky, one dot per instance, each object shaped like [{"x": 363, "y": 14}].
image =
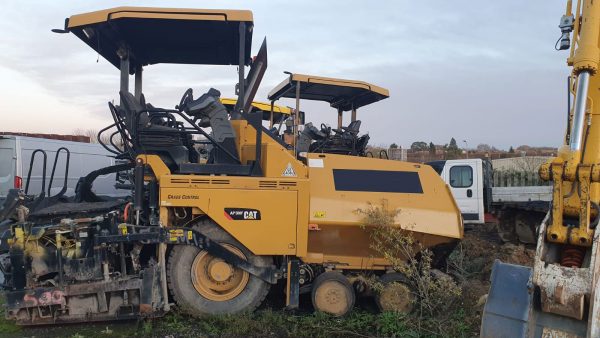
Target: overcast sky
[{"x": 480, "y": 71}]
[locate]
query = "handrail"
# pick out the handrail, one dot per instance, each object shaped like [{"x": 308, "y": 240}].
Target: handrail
[
  {"x": 33, "y": 154},
  {"x": 99, "y": 137},
  {"x": 65, "y": 182}
]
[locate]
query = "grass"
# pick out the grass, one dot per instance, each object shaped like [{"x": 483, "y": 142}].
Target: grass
[
  {"x": 6, "y": 327},
  {"x": 262, "y": 323},
  {"x": 270, "y": 323}
]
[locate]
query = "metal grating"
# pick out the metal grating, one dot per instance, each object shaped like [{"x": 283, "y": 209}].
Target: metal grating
[{"x": 267, "y": 184}]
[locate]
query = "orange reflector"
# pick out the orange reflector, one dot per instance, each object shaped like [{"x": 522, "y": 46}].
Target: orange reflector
[{"x": 313, "y": 227}]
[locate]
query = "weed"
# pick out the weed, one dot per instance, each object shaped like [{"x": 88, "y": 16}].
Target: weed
[
  {"x": 436, "y": 293},
  {"x": 6, "y": 326},
  {"x": 146, "y": 327},
  {"x": 398, "y": 245}
]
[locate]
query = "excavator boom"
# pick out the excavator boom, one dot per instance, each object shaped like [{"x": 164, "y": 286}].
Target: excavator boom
[{"x": 558, "y": 297}]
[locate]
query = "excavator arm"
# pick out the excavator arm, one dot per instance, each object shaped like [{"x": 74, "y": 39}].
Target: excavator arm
[{"x": 558, "y": 297}]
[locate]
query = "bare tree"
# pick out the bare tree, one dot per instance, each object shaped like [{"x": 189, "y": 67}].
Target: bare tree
[
  {"x": 93, "y": 136},
  {"x": 529, "y": 163},
  {"x": 483, "y": 148},
  {"x": 90, "y": 133}
]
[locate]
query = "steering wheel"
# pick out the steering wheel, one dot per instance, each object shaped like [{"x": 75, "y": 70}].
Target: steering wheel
[
  {"x": 187, "y": 97},
  {"x": 325, "y": 129}
]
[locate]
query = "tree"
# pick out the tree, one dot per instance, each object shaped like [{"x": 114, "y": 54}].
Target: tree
[
  {"x": 452, "y": 145},
  {"x": 529, "y": 164},
  {"x": 431, "y": 148},
  {"x": 419, "y": 145},
  {"x": 511, "y": 150},
  {"x": 452, "y": 150},
  {"x": 393, "y": 146},
  {"x": 483, "y": 148},
  {"x": 92, "y": 134}
]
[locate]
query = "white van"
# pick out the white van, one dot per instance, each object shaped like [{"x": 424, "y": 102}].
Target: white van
[{"x": 15, "y": 157}]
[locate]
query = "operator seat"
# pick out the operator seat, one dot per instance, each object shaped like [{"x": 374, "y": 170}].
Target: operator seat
[
  {"x": 154, "y": 135},
  {"x": 345, "y": 141},
  {"x": 353, "y": 128}
]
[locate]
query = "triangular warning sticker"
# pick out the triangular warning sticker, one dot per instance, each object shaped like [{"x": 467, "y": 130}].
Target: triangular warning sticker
[{"x": 289, "y": 171}]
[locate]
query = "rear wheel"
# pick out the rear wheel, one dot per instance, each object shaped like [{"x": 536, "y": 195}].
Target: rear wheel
[
  {"x": 332, "y": 293},
  {"x": 203, "y": 284},
  {"x": 396, "y": 295}
]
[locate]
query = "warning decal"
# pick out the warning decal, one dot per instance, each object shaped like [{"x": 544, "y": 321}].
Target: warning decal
[{"x": 289, "y": 171}]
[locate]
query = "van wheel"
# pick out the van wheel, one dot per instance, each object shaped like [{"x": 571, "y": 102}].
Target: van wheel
[
  {"x": 202, "y": 284},
  {"x": 396, "y": 295},
  {"x": 332, "y": 293}
]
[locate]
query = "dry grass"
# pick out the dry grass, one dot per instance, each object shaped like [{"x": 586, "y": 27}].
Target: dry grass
[{"x": 436, "y": 293}]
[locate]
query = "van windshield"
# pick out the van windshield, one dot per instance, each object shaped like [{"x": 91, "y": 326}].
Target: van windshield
[{"x": 7, "y": 171}]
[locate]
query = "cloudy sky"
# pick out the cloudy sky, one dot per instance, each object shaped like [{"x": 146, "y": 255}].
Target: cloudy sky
[{"x": 480, "y": 71}]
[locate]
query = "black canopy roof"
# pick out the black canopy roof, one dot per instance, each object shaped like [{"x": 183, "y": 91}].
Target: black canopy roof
[{"x": 165, "y": 35}]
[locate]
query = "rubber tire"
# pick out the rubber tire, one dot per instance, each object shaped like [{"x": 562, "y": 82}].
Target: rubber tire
[
  {"x": 386, "y": 279},
  {"x": 339, "y": 278},
  {"x": 179, "y": 278}
]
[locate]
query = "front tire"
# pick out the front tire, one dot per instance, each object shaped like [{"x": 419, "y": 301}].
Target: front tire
[{"x": 204, "y": 285}]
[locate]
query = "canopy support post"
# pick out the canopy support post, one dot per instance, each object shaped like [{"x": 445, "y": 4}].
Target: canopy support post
[
  {"x": 239, "y": 106},
  {"x": 353, "y": 114},
  {"x": 271, "y": 115},
  {"x": 340, "y": 117},
  {"x": 296, "y": 115},
  {"x": 124, "y": 67},
  {"x": 138, "y": 83}
]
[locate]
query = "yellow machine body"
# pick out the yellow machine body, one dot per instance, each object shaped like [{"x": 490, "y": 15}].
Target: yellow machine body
[{"x": 301, "y": 211}]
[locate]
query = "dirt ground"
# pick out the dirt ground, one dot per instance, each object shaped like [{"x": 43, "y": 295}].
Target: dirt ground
[{"x": 473, "y": 260}]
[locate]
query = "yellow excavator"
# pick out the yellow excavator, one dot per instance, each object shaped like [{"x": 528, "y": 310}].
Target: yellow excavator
[
  {"x": 211, "y": 236},
  {"x": 560, "y": 295}
]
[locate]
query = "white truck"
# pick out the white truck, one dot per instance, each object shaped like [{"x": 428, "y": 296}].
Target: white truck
[
  {"x": 15, "y": 157},
  {"x": 515, "y": 210}
]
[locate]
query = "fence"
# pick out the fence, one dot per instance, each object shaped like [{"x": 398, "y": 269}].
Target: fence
[{"x": 504, "y": 178}]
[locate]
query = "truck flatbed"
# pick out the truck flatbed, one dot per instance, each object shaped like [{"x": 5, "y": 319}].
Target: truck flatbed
[{"x": 521, "y": 194}]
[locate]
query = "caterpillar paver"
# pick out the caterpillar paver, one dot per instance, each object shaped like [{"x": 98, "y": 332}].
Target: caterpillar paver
[
  {"x": 343, "y": 95},
  {"x": 212, "y": 236}
]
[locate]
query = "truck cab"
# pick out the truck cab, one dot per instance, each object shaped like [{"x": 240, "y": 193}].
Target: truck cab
[{"x": 470, "y": 181}]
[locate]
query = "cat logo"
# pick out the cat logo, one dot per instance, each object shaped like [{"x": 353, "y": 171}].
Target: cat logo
[
  {"x": 289, "y": 171},
  {"x": 242, "y": 214},
  {"x": 250, "y": 214}
]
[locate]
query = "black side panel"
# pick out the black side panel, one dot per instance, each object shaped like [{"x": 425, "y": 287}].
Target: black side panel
[{"x": 377, "y": 181}]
